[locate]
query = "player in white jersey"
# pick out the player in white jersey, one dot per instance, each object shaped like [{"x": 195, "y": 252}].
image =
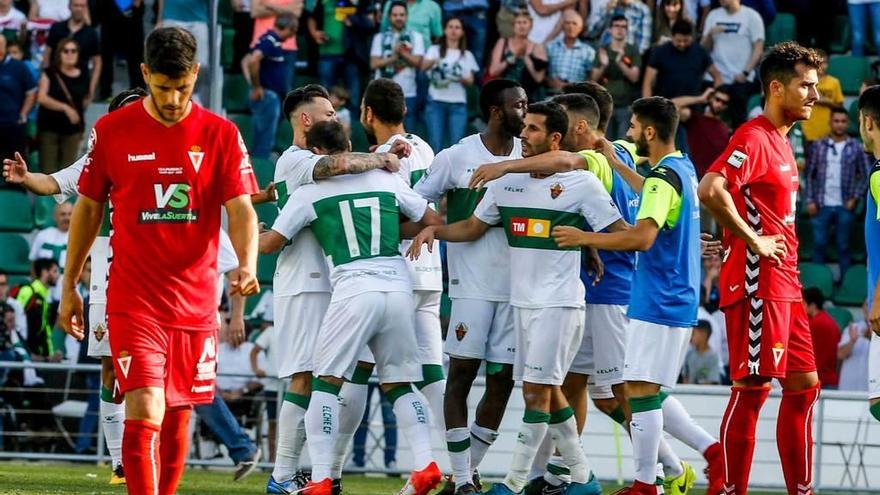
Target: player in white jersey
[
  {"x": 547, "y": 294},
  {"x": 481, "y": 323},
  {"x": 356, "y": 222},
  {"x": 301, "y": 286}
]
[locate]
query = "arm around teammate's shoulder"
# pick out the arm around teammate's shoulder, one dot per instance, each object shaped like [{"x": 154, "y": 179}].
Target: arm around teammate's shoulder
[
  {"x": 354, "y": 163},
  {"x": 550, "y": 162}
]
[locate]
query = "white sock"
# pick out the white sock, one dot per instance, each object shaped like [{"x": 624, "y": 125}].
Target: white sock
[
  {"x": 568, "y": 443},
  {"x": 678, "y": 423},
  {"x": 352, "y": 403},
  {"x": 670, "y": 460},
  {"x": 458, "y": 444},
  {"x": 412, "y": 420},
  {"x": 291, "y": 436},
  {"x": 531, "y": 434},
  {"x": 542, "y": 457},
  {"x": 646, "y": 429},
  {"x": 113, "y": 423},
  {"x": 557, "y": 472},
  {"x": 434, "y": 393},
  {"x": 481, "y": 439},
  {"x": 322, "y": 425}
]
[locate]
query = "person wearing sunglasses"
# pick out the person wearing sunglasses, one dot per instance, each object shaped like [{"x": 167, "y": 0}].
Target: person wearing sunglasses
[{"x": 707, "y": 132}]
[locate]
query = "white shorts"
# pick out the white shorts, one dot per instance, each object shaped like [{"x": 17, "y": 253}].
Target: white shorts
[
  {"x": 429, "y": 335},
  {"x": 547, "y": 339},
  {"x": 598, "y": 391},
  {"x": 602, "y": 352},
  {"x": 481, "y": 329},
  {"x": 874, "y": 368},
  {"x": 382, "y": 321},
  {"x": 297, "y": 322},
  {"x": 655, "y": 353},
  {"x": 99, "y": 332}
]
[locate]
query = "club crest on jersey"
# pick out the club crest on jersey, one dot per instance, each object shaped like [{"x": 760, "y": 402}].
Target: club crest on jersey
[
  {"x": 196, "y": 155},
  {"x": 737, "y": 158},
  {"x": 99, "y": 332},
  {"x": 556, "y": 190},
  {"x": 778, "y": 351},
  {"x": 460, "y": 331},
  {"x": 124, "y": 362}
]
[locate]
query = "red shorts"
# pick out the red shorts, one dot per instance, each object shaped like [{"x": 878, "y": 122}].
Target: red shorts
[
  {"x": 768, "y": 338},
  {"x": 182, "y": 362}
]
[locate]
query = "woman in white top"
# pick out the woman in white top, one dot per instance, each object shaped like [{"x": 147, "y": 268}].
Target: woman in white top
[{"x": 450, "y": 67}]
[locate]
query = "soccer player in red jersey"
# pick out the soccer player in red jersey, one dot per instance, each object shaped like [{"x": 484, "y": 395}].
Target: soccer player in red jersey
[
  {"x": 168, "y": 166},
  {"x": 751, "y": 189}
]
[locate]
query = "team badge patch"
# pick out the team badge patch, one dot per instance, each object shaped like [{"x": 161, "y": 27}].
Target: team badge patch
[
  {"x": 460, "y": 331},
  {"x": 778, "y": 351},
  {"x": 99, "y": 332},
  {"x": 196, "y": 155},
  {"x": 556, "y": 190},
  {"x": 737, "y": 158}
]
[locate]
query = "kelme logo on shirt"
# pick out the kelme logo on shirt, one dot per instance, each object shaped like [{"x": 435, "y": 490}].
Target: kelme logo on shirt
[{"x": 172, "y": 205}]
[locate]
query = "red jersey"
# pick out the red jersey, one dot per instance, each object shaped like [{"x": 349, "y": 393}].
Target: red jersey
[
  {"x": 762, "y": 177},
  {"x": 826, "y": 337},
  {"x": 167, "y": 185}
]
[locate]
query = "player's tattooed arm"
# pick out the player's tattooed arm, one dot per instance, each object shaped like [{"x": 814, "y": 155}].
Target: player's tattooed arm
[
  {"x": 354, "y": 163},
  {"x": 551, "y": 162}
]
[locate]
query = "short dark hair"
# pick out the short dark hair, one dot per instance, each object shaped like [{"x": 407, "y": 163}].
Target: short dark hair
[
  {"x": 779, "y": 64},
  {"x": 490, "y": 95},
  {"x": 328, "y": 135},
  {"x": 599, "y": 94},
  {"x": 580, "y": 104},
  {"x": 618, "y": 18},
  {"x": 124, "y": 97},
  {"x": 170, "y": 51},
  {"x": 385, "y": 98},
  {"x": 302, "y": 95},
  {"x": 556, "y": 118},
  {"x": 659, "y": 113},
  {"x": 839, "y": 109},
  {"x": 869, "y": 102},
  {"x": 41, "y": 265},
  {"x": 682, "y": 26},
  {"x": 813, "y": 295},
  {"x": 704, "y": 325},
  {"x": 398, "y": 3}
]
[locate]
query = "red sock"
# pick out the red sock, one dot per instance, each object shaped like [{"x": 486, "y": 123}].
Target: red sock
[
  {"x": 175, "y": 447},
  {"x": 140, "y": 456},
  {"x": 738, "y": 436},
  {"x": 794, "y": 439}
]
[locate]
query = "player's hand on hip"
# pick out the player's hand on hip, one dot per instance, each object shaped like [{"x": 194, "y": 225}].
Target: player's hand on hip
[
  {"x": 15, "y": 171},
  {"x": 426, "y": 236},
  {"x": 244, "y": 282},
  {"x": 709, "y": 247},
  {"x": 70, "y": 315},
  {"x": 769, "y": 246},
  {"x": 567, "y": 237},
  {"x": 486, "y": 173}
]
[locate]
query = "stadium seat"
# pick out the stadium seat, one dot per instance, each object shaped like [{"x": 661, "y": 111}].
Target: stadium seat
[
  {"x": 227, "y": 51},
  {"x": 243, "y": 122},
  {"x": 853, "y": 129},
  {"x": 850, "y": 70},
  {"x": 804, "y": 228},
  {"x": 267, "y": 213},
  {"x": 236, "y": 93},
  {"x": 284, "y": 136},
  {"x": 14, "y": 255},
  {"x": 753, "y": 102},
  {"x": 16, "y": 214},
  {"x": 854, "y": 287},
  {"x": 224, "y": 13},
  {"x": 840, "y": 42},
  {"x": 43, "y": 212},
  {"x": 266, "y": 267},
  {"x": 842, "y": 316},
  {"x": 817, "y": 275},
  {"x": 782, "y": 29},
  {"x": 264, "y": 170}
]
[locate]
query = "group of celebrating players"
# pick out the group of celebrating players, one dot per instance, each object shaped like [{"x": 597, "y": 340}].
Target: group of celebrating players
[{"x": 544, "y": 217}]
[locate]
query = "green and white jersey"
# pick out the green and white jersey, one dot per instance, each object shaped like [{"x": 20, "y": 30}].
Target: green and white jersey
[
  {"x": 67, "y": 180},
  {"x": 301, "y": 266},
  {"x": 427, "y": 271},
  {"x": 546, "y": 275},
  {"x": 356, "y": 221},
  {"x": 479, "y": 269}
]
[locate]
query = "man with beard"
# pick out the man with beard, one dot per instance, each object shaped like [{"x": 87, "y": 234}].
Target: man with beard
[
  {"x": 481, "y": 322},
  {"x": 546, "y": 292}
]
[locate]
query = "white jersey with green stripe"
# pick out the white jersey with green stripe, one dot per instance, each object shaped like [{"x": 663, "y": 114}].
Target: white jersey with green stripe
[
  {"x": 545, "y": 274},
  {"x": 479, "y": 269},
  {"x": 356, "y": 221},
  {"x": 301, "y": 266},
  {"x": 427, "y": 271}
]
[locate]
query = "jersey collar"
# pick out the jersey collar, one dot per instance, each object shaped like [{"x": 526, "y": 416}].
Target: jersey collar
[{"x": 674, "y": 154}]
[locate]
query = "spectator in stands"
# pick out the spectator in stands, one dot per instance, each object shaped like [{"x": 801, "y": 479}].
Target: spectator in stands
[
  {"x": 56, "y": 10},
  {"x": 12, "y": 20},
  {"x": 78, "y": 28},
  {"x": 853, "y": 353},
  {"x": 696, "y": 11},
  {"x": 668, "y": 12},
  {"x": 518, "y": 59},
  {"x": 243, "y": 25},
  {"x": 265, "y": 70},
  {"x": 327, "y": 25},
  {"x": 836, "y": 180},
  {"x": 825, "y": 334},
  {"x": 618, "y": 68},
  {"x": 735, "y": 35},
  {"x": 450, "y": 67},
  {"x": 193, "y": 16},
  {"x": 859, "y": 12},
  {"x": 473, "y": 14},
  {"x": 18, "y": 93},
  {"x": 122, "y": 32},
  {"x": 339, "y": 98},
  {"x": 701, "y": 361},
  {"x": 710, "y": 296},
  {"x": 9, "y": 342},
  {"x": 570, "y": 59},
  {"x": 51, "y": 242},
  {"x": 639, "y": 16},
  {"x": 20, "y": 322},
  {"x": 62, "y": 93},
  {"x": 677, "y": 68},
  {"x": 34, "y": 298},
  {"x": 707, "y": 133},
  {"x": 264, "y": 13},
  {"x": 547, "y": 18},
  {"x": 830, "y": 96},
  {"x": 396, "y": 53}
]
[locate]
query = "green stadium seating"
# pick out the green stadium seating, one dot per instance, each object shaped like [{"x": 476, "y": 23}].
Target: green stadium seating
[
  {"x": 236, "y": 93},
  {"x": 850, "y": 70},
  {"x": 266, "y": 267},
  {"x": 754, "y": 101},
  {"x": 264, "y": 170},
  {"x": 782, "y": 29},
  {"x": 19, "y": 280},
  {"x": 840, "y": 42},
  {"x": 853, "y": 129},
  {"x": 842, "y": 316},
  {"x": 267, "y": 213},
  {"x": 224, "y": 13},
  {"x": 819, "y": 276},
  {"x": 44, "y": 210},
  {"x": 14, "y": 254},
  {"x": 227, "y": 51},
  {"x": 804, "y": 229},
  {"x": 853, "y": 287},
  {"x": 284, "y": 136},
  {"x": 16, "y": 214},
  {"x": 243, "y": 122}
]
